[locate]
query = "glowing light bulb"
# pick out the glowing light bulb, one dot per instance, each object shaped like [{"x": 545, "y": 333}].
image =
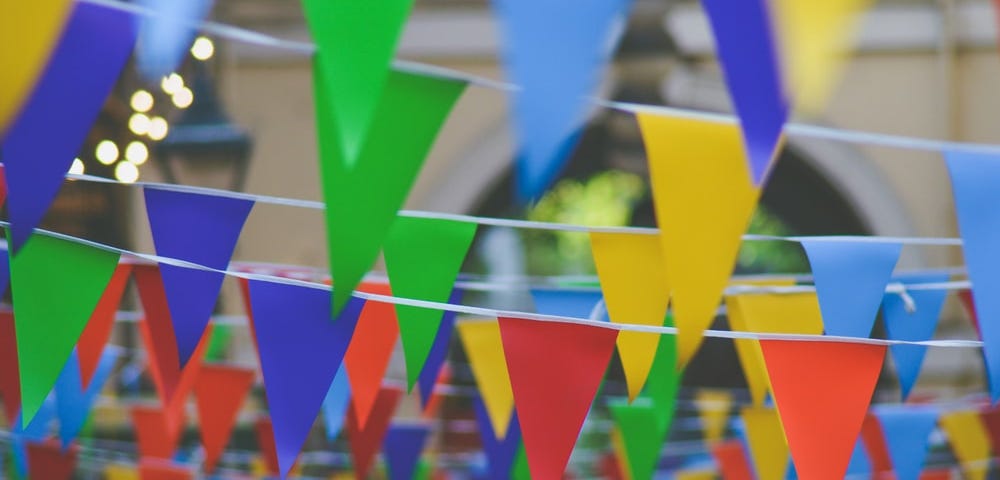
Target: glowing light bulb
[
  {"x": 142, "y": 101},
  {"x": 202, "y": 48},
  {"x": 172, "y": 83},
  {"x": 77, "y": 168},
  {"x": 106, "y": 152},
  {"x": 183, "y": 97},
  {"x": 158, "y": 128},
  {"x": 137, "y": 153},
  {"x": 126, "y": 172},
  {"x": 138, "y": 123}
]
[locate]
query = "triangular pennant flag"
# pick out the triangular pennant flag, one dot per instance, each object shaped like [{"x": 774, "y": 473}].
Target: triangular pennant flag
[
  {"x": 746, "y": 48},
  {"x": 47, "y": 460},
  {"x": 695, "y": 474},
  {"x": 159, "y": 470},
  {"x": 196, "y": 228},
  {"x": 557, "y": 65},
  {"x": 357, "y": 76},
  {"x": 102, "y": 321},
  {"x": 814, "y": 44},
  {"x": 366, "y": 442},
  {"x": 965, "y": 297},
  {"x": 850, "y": 281},
  {"x": 301, "y": 350},
  {"x": 875, "y": 446},
  {"x": 702, "y": 209},
  {"x": 423, "y": 257},
  {"x": 499, "y": 450},
  {"x": 936, "y": 474},
  {"x": 769, "y": 313},
  {"x": 907, "y": 432},
  {"x": 220, "y": 392},
  {"x": 338, "y": 397},
  {"x": 97, "y": 40},
  {"x": 565, "y": 303},
  {"x": 165, "y": 35},
  {"x": 973, "y": 181},
  {"x": 713, "y": 411},
  {"x": 46, "y": 330},
  {"x": 264, "y": 433},
  {"x": 553, "y": 393},
  {"x": 990, "y": 418},
  {"x": 916, "y": 325},
  {"x": 765, "y": 441},
  {"x": 822, "y": 390},
  {"x": 117, "y": 471},
  {"x": 402, "y": 447},
  {"x": 732, "y": 460},
  {"x": 410, "y": 111},
  {"x": 484, "y": 349},
  {"x": 436, "y": 392},
  {"x": 616, "y": 466},
  {"x": 521, "y": 469},
  {"x": 434, "y": 366},
  {"x": 969, "y": 442},
  {"x": 4, "y": 263},
  {"x": 664, "y": 380},
  {"x": 858, "y": 466},
  {"x": 368, "y": 355},
  {"x": 156, "y": 435},
  {"x": 636, "y": 291},
  {"x": 10, "y": 380},
  {"x": 75, "y": 398},
  {"x": 641, "y": 443}
]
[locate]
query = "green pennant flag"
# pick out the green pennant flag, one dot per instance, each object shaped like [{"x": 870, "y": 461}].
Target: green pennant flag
[
  {"x": 56, "y": 285},
  {"x": 363, "y": 192},
  {"x": 423, "y": 257},
  {"x": 521, "y": 471},
  {"x": 357, "y": 39},
  {"x": 642, "y": 444},
  {"x": 664, "y": 380}
]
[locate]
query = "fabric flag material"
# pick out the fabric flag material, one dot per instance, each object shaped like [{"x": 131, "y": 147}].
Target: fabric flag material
[
  {"x": 565, "y": 303},
  {"x": 769, "y": 313},
  {"x": 97, "y": 40},
  {"x": 357, "y": 76},
  {"x": 553, "y": 393},
  {"x": 371, "y": 348},
  {"x": 116, "y": 471},
  {"x": 500, "y": 450},
  {"x": 557, "y": 64},
  {"x": 156, "y": 435},
  {"x": 47, "y": 460},
  {"x": 702, "y": 209},
  {"x": 907, "y": 431},
  {"x": 713, "y": 411},
  {"x": 47, "y": 330},
  {"x": 160, "y": 370},
  {"x": 158, "y": 332},
  {"x": 484, "y": 349},
  {"x": 917, "y": 325},
  {"x": 155, "y": 470},
  {"x": 338, "y": 397},
  {"x": 166, "y": 35},
  {"x": 969, "y": 441},
  {"x": 732, "y": 460},
  {"x": 220, "y": 392},
  {"x": 402, "y": 446},
  {"x": 366, "y": 442},
  {"x": 102, "y": 321},
  {"x": 859, "y": 463},
  {"x": 636, "y": 291},
  {"x": 301, "y": 350},
  {"x": 264, "y": 432},
  {"x": 745, "y": 45},
  {"x": 990, "y": 418},
  {"x": 434, "y": 366},
  {"x": 201, "y": 229},
  {"x": 75, "y": 398},
  {"x": 874, "y": 441},
  {"x": 4, "y": 262},
  {"x": 765, "y": 441},
  {"x": 973, "y": 181},
  {"x": 10, "y": 381},
  {"x": 822, "y": 390},
  {"x": 642, "y": 444},
  {"x": 850, "y": 281},
  {"x": 664, "y": 380},
  {"x": 695, "y": 474},
  {"x": 410, "y": 111}
]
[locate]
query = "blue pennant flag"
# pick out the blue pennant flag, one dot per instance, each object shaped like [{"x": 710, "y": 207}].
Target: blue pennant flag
[
  {"x": 74, "y": 401},
  {"x": 338, "y": 397},
  {"x": 301, "y": 348},
  {"x": 96, "y": 43},
  {"x": 402, "y": 447},
  {"x": 916, "y": 325},
  {"x": 850, "y": 281},
  {"x": 907, "y": 430},
  {"x": 165, "y": 37},
  {"x": 860, "y": 464},
  {"x": 500, "y": 452},
  {"x": 439, "y": 351},
  {"x": 196, "y": 228},
  {"x": 567, "y": 303}
]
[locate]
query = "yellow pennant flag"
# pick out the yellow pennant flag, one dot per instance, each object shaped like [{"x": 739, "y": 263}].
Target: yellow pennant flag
[
  {"x": 695, "y": 475},
  {"x": 29, "y": 31},
  {"x": 766, "y": 439},
  {"x": 769, "y": 313},
  {"x": 815, "y": 39},
  {"x": 969, "y": 441},
  {"x": 703, "y": 197},
  {"x": 618, "y": 447},
  {"x": 481, "y": 340},
  {"x": 116, "y": 471},
  {"x": 634, "y": 283},
  {"x": 713, "y": 410}
]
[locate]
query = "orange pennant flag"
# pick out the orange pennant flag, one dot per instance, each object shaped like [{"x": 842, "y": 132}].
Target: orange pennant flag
[
  {"x": 713, "y": 410},
  {"x": 367, "y": 441},
  {"x": 265, "y": 443},
  {"x": 483, "y": 347},
  {"x": 969, "y": 441},
  {"x": 220, "y": 392},
  {"x": 156, "y": 435},
  {"x": 732, "y": 460},
  {"x": 555, "y": 370},
  {"x": 49, "y": 461},
  {"x": 766, "y": 441},
  {"x": 876, "y": 446},
  {"x": 636, "y": 291},
  {"x": 95, "y": 336},
  {"x": 371, "y": 347},
  {"x": 160, "y": 470},
  {"x": 822, "y": 390},
  {"x": 704, "y": 196}
]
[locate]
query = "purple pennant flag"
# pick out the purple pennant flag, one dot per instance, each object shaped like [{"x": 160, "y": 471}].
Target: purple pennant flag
[
  {"x": 4, "y": 271},
  {"x": 402, "y": 447},
  {"x": 41, "y": 143},
  {"x": 301, "y": 349},
  {"x": 166, "y": 36},
  {"x": 439, "y": 351},
  {"x": 500, "y": 452},
  {"x": 745, "y": 46},
  {"x": 74, "y": 400},
  {"x": 196, "y": 228}
]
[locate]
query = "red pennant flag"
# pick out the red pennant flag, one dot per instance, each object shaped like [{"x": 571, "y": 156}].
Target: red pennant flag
[
  {"x": 936, "y": 474},
  {"x": 3, "y": 186},
  {"x": 158, "y": 331},
  {"x": 159, "y": 369},
  {"x": 155, "y": 433},
  {"x": 371, "y": 347},
  {"x": 220, "y": 391},
  {"x": 822, "y": 390},
  {"x": 366, "y": 442},
  {"x": 437, "y": 396},
  {"x": 49, "y": 461},
  {"x": 265, "y": 442},
  {"x": 965, "y": 297},
  {"x": 991, "y": 420},
  {"x": 10, "y": 382},
  {"x": 555, "y": 370},
  {"x": 93, "y": 339},
  {"x": 875, "y": 446},
  {"x": 732, "y": 460},
  {"x": 245, "y": 294},
  {"x": 159, "y": 470}
]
